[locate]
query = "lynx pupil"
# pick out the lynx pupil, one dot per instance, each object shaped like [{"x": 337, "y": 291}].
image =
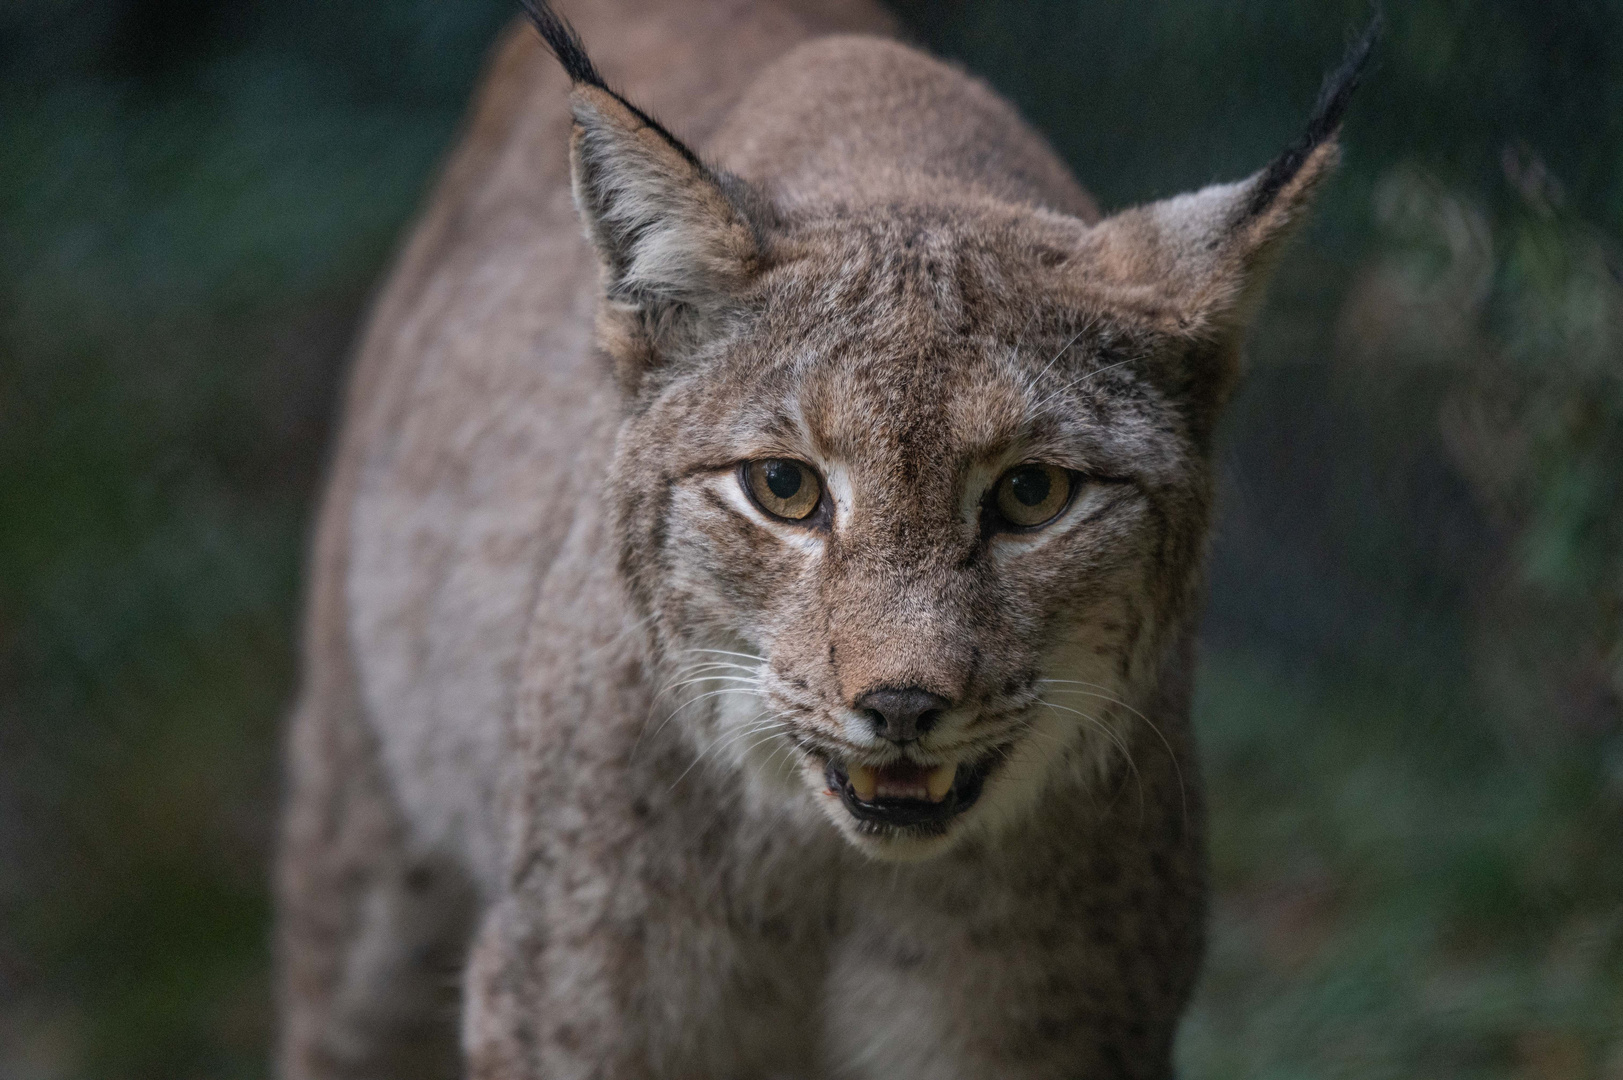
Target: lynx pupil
[
  {"x": 1030, "y": 486},
  {"x": 783, "y": 487},
  {"x": 783, "y": 478},
  {"x": 1031, "y": 495}
]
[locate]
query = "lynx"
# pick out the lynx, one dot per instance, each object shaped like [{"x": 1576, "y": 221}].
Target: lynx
[{"x": 751, "y": 635}]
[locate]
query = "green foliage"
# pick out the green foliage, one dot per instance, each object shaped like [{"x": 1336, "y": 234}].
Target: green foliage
[
  {"x": 1394, "y": 907},
  {"x": 187, "y": 248}
]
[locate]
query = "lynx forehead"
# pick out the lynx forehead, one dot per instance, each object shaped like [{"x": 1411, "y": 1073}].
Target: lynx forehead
[{"x": 754, "y": 638}]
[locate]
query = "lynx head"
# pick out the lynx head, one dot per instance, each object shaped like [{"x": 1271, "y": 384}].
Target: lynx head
[{"x": 915, "y": 494}]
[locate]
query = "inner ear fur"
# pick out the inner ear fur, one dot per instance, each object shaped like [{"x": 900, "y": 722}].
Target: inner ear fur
[
  {"x": 675, "y": 239},
  {"x": 666, "y": 227},
  {"x": 1196, "y": 265}
]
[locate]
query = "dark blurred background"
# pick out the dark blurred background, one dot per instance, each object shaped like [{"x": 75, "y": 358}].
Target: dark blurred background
[{"x": 1410, "y": 703}]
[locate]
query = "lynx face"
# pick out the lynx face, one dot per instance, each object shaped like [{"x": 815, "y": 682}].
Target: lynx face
[
  {"x": 916, "y": 552},
  {"x": 912, "y": 490}
]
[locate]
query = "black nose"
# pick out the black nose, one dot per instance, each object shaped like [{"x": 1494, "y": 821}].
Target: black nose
[{"x": 902, "y": 715}]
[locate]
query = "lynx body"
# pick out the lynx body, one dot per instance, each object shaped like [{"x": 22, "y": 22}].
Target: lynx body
[{"x": 751, "y": 636}]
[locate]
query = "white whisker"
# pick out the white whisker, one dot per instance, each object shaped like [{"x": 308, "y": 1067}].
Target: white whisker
[
  {"x": 1063, "y": 350},
  {"x": 1177, "y": 767},
  {"x": 728, "y": 652},
  {"x": 1115, "y": 739},
  {"x": 771, "y": 729},
  {"x": 688, "y": 704},
  {"x": 1078, "y": 382}
]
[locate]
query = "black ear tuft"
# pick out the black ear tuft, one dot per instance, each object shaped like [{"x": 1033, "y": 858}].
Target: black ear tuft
[
  {"x": 1334, "y": 96},
  {"x": 564, "y": 42}
]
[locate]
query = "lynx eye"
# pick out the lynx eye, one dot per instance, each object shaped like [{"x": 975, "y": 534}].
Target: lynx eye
[
  {"x": 1031, "y": 495},
  {"x": 783, "y": 488}
]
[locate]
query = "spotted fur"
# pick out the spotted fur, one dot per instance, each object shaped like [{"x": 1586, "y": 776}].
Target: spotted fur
[{"x": 572, "y": 696}]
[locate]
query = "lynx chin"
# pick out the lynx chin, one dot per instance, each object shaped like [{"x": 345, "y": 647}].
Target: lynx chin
[{"x": 752, "y": 611}]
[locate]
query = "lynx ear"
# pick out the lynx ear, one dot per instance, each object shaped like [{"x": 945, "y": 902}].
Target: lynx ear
[
  {"x": 1198, "y": 263},
  {"x": 673, "y": 236}
]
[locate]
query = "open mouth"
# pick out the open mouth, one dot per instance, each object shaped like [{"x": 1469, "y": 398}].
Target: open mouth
[{"x": 905, "y": 794}]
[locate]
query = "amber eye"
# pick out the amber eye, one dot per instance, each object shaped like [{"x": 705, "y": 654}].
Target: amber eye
[
  {"x": 783, "y": 488},
  {"x": 1029, "y": 495}
]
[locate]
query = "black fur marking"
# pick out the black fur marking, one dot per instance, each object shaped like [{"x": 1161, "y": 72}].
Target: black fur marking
[
  {"x": 1334, "y": 96},
  {"x": 563, "y": 41}
]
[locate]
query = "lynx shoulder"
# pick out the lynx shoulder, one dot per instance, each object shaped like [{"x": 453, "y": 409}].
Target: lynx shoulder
[{"x": 751, "y": 616}]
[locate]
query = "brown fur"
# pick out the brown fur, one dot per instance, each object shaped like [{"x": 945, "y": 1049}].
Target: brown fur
[{"x": 569, "y": 694}]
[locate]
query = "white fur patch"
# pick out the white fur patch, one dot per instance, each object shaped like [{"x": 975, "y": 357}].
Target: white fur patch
[
  {"x": 730, "y": 488},
  {"x": 841, "y": 494}
]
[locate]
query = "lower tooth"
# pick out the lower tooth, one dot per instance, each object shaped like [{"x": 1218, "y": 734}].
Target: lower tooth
[
  {"x": 863, "y": 782},
  {"x": 940, "y": 781}
]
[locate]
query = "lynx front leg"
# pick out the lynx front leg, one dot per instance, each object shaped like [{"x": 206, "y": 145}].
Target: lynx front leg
[
  {"x": 370, "y": 940},
  {"x": 897, "y": 1015},
  {"x": 535, "y": 1011},
  {"x": 615, "y": 976},
  {"x": 1006, "y": 969},
  {"x": 632, "y": 1006}
]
